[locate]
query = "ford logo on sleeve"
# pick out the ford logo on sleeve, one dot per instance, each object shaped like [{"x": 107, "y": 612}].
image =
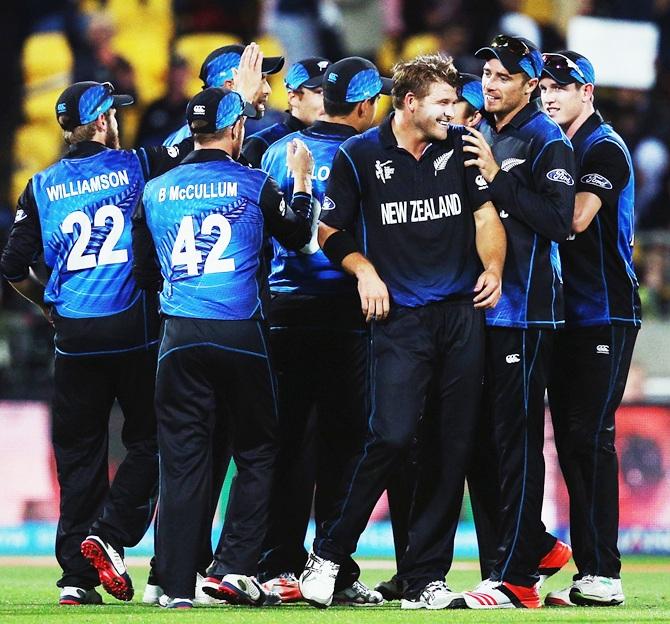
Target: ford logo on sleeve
[
  {"x": 560, "y": 175},
  {"x": 595, "y": 179}
]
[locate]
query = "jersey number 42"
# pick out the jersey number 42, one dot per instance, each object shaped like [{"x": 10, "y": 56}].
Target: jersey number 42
[{"x": 185, "y": 252}]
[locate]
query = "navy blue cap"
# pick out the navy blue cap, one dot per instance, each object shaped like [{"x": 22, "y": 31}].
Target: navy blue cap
[
  {"x": 82, "y": 102},
  {"x": 517, "y": 55},
  {"x": 306, "y": 73},
  {"x": 470, "y": 90},
  {"x": 566, "y": 67},
  {"x": 354, "y": 79},
  {"x": 218, "y": 107},
  {"x": 219, "y": 64}
]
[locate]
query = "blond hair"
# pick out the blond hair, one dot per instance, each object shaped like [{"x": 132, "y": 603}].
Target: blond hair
[{"x": 417, "y": 75}]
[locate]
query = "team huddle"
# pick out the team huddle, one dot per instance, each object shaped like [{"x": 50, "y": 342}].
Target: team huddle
[{"x": 341, "y": 309}]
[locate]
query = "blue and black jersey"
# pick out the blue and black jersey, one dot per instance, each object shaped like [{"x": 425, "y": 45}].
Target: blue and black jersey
[
  {"x": 534, "y": 193},
  {"x": 600, "y": 284},
  {"x": 207, "y": 220},
  {"x": 308, "y": 271},
  {"x": 75, "y": 218},
  {"x": 257, "y": 144},
  {"x": 412, "y": 219}
]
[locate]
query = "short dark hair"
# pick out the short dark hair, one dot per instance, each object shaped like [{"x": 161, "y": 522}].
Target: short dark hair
[{"x": 338, "y": 109}]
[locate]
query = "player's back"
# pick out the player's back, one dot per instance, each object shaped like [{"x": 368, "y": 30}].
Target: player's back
[
  {"x": 85, "y": 205},
  {"x": 207, "y": 227},
  {"x": 308, "y": 271}
]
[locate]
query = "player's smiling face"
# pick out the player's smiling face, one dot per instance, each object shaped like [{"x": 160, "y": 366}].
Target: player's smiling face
[
  {"x": 435, "y": 111},
  {"x": 563, "y": 103},
  {"x": 504, "y": 92}
]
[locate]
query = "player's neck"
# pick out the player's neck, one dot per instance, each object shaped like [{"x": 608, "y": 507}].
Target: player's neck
[
  {"x": 408, "y": 136},
  {"x": 572, "y": 128},
  {"x": 503, "y": 118}
]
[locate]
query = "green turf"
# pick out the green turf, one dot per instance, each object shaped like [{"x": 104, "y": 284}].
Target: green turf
[{"x": 29, "y": 595}]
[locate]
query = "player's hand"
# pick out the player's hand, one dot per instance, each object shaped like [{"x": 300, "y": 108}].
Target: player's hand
[
  {"x": 483, "y": 156},
  {"x": 488, "y": 289},
  {"x": 248, "y": 77},
  {"x": 299, "y": 159},
  {"x": 375, "y": 300}
]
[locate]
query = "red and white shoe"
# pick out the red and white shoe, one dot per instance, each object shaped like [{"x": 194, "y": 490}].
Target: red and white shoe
[
  {"x": 495, "y": 595},
  {"x": 111, "y": 568},
  {"x": 553, "y": 561},
  {"x": 560, "y": 598},
  {"x": 210, "y": 586},
  {"x": 286, "y": 585}
]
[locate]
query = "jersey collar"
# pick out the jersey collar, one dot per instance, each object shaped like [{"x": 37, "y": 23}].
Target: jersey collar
[
  {"x": 329, "y": 128},
  {"x": 586, "y": 129},
  {"x": 206, "y": 155},
  {"x": 85, "y": 149},
  {"x": 529, "y": 110},
  {"x": 293, "y": 123}
]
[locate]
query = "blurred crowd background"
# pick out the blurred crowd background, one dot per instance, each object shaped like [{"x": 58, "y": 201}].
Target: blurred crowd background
[{"x": 153, "y": 49}]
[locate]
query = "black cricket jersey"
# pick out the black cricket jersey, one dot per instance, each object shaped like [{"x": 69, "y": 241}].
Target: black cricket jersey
[
  {"x": 257, "y": 144},
  {"x": 601, "y": 287},
  {"x": 412, "y": 219},
  {"x": 534, "y": 193}
]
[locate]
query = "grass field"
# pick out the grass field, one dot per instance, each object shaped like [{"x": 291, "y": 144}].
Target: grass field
[{"x": 30, "y": 596}]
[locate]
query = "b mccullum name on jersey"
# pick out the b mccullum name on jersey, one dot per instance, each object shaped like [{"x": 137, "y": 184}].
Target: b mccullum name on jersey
[
  {"x": 418, "y": 210},
  {"x": 94, "y": 184},
  {"x": 205, "y": 190}
]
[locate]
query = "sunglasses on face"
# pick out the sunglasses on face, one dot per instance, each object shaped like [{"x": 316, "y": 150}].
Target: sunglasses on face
[{"x": 563, "y": 63}]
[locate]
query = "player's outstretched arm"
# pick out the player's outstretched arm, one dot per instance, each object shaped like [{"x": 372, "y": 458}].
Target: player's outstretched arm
[{"x": 491, "y": 247}]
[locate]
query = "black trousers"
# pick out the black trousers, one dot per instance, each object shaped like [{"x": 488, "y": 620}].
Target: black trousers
[
  {"x": 319, "y": 349},
  {"x": 588, "y": 377},
  {"x": 516, "y": 378},
  {"x": 483, "y": 487},
  {"x": 209, "y": 370},
  {"x": 439, "y": 345},
  {"x": 85, "y": 390}
]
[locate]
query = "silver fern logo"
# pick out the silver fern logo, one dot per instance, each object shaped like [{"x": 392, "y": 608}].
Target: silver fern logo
[
  {"x": 440, "y": 163},
  {"x": 510, "y": 163}
]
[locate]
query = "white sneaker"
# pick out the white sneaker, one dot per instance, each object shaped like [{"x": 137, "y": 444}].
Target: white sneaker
[
  {"x": 358, "y": 595},
  {"x": 152, "y": 594},
  {"x": 560, "y": 598},
  {"x": 175, "y": 603},
  {"x": 435, "y": 595},
  {"x": 71, "y": 596},
  {"x": 597, "y": 591},
  {"x": 317, "y": 581}
]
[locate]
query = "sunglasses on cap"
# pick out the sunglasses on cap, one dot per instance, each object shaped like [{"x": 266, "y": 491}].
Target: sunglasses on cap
[
  {"x": 511, "y": 44},
  {"x": 553, "y": 60}
]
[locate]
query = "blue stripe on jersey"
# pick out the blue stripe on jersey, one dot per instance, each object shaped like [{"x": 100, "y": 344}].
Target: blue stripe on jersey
[
  {"x": 208, "y": 230},
  {"x": 85, "y": 205},
  {"x": 307, "y": 271}
]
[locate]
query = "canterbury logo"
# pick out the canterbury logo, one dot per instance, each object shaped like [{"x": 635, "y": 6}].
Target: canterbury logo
[
  {"x": 603, "y": 349},
  {"x": 481, "y": 183},
  {"x": 510, "y": 163},
  {"x": 199, "y": 109},
  {"x": 595, "y": 179},
  {"x": 441, "y": 162},
  {"x": 513, "y": 358},
  {"x": 503, "y": 214}
]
